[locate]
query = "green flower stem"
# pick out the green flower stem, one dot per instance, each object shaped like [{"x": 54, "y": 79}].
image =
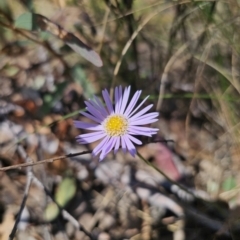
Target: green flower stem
[{"x": 162, "y": 173}]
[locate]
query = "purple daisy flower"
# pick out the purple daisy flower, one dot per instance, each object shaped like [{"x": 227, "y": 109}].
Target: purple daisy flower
[{"x": 116, "y": 124}]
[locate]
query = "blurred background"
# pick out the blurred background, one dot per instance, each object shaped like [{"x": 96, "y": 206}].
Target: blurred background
[{"x": 184, "y": 54}]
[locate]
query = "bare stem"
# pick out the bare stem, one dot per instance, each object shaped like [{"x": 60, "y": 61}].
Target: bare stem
[{"x": 49, "y": 160}]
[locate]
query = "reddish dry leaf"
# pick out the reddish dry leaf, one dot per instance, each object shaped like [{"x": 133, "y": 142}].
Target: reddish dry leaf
[{"x": 163, "y": 159}]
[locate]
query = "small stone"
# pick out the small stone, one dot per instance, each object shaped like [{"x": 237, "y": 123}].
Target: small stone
[{"x": 104, "y": 236}]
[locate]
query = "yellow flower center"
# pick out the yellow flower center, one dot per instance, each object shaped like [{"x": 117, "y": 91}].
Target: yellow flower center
[{"x": 115, "y": 125}]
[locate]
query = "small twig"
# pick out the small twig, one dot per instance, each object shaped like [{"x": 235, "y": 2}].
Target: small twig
[
  {"x": 28, "y": 184},
  {"x": 24, "y": 155},
  {"x": 49, "y": 160}
]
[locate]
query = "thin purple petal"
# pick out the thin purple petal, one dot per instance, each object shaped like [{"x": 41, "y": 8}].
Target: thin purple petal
[
  {"x": 135, "y": 140},
  {"x": 144, "y": 100},
  {"x": 125, "y": 99},
  {"x": 91, "y": 117},
  {"x": 108, "y": 101},
  {"x": 132, "y": 103},
  {"x": 130, "y": 146},
  {"x": 143, "y": 130},
  {"x": 94, "y": 111},
  {"x": 149, "y": 116},
  {"x": 141, "y": 112},
  {"x": 90, "y": 137},
  {"x": 101, "y": 106},
  {"x": 118, "y": 99},
  {"x": 100, "y": 146},
  {"x": 123, "y": 143},
  {"x": 143, "y": 121},
  {"x": 117, "y": 145},
  {"x": 108, "y": 147},
  {"x": 135, "y": 132},
  {"x": 98, "y": 105},
  {"x": 89, "y": 126}
]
